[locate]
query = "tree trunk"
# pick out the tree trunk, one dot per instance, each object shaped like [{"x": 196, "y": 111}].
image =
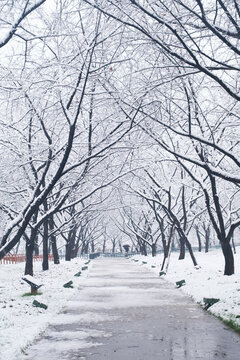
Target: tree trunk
[
  {"x": 55, "y": 251},
  {"x": 36, "y": 246},
  {"x": 104, "y": 245},
  {"x": 143, "y": 249},
  {"x": 199, "y": 239},
  {"x": 29, "y": 257},
  {"x": 154, "y": 250},
  {"x": 229, "y": 258},
  {"x": 164, "y": 243},
  {"x": 53, "y": 242},
  {"x": 68, "y": 252},
  {"x": 92, "y": 246},
  {"x": 182, "y": 249},
  {"x": 189, "y": 247},
  {"x": 86, "y": 248},
  {"x": 70, "y": 244},
  {"x": 79, "y": 239},
  {"x": 113, "y": 248},
  {"x": 45, "y": 263},
  {"x": 207, "y": 238},
  {"x": 233, "y": 246},
  {"x": 170, "y": 242},
  {"x": 30, "y": 243},
  {"x": 120, "y": 247},
  {"x": 68, "y": 247}
]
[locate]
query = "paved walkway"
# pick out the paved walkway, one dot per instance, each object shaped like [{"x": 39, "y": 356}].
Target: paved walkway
[{"x": 123, "y": 312}]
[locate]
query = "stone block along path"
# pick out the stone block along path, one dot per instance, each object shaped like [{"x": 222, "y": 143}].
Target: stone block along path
[{"x": 122, "y": 311}]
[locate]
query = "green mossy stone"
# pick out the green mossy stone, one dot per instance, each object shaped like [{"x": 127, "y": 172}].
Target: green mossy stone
[
  {"x": 78, "y": 273},
  {"x": 68, "y": 285},
  {"x": 180, "y": 283},
  {"x": 40, "y": 305},
  {"x": 209, "y": 302}
]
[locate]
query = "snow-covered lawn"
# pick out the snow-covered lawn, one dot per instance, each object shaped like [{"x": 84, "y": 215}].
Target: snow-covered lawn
[
  {"x": 206, "y": 282},
  {"x": 20, "y": 322}
]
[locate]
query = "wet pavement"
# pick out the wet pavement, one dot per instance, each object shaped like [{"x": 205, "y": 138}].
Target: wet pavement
[{"x": 124, "y": 312}]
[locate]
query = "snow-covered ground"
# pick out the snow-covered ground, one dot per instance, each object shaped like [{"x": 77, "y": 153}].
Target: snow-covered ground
[
  {"x": 206, "y": 282},
  {"x": 20, "y": 322}
]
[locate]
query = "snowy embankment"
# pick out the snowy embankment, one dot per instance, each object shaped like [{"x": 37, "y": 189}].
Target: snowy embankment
[
  {"x": 20, "y": 321},
  {"x": 206, "y": 282}
]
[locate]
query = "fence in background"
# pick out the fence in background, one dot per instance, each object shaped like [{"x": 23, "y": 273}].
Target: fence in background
[{"x": 18, "y": 258}]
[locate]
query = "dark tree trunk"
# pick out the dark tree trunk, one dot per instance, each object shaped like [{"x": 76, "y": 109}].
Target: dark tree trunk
[
  {"x": 164, "y": 243},
  {"x": 68, "y": 247},
  {"x": 45, "y": 263},
  {"x": 29, "y": 257},
  {"x": 120, "y": 247},
  {"x": 199, "y": 239},
  {"x": 30, "y": 242},
  {"x": 92, "y": 246},
  {"x": 77, "y": 242},
  {"x": 143, "y": 249},
  {"x": 86, "y": 248},
  {"x": 189, "y": 247},
  {"x": 154, "y": 250},
  {"x": 233, "y": 246},
  {"x": 229, "y": 258},
  {"x": 113, "y": 248},
  {"x": 207, "y": 238},
  {"x": 104, "y": 245},
  {"x": 55, "y": 251},
  {"x": 70, "y": 244},
  {"x": 170, "y": 241},
  {"x": 68, "y": 253},
  {"x": 182, "y": 249},
  {"x": 36, "y": 246},
  {"x": 82, "y": 247},
  {"x": 53, "y": 242}
]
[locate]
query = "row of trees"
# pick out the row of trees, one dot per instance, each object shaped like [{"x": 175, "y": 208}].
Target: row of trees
[{"x": 130, "y": 105}]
